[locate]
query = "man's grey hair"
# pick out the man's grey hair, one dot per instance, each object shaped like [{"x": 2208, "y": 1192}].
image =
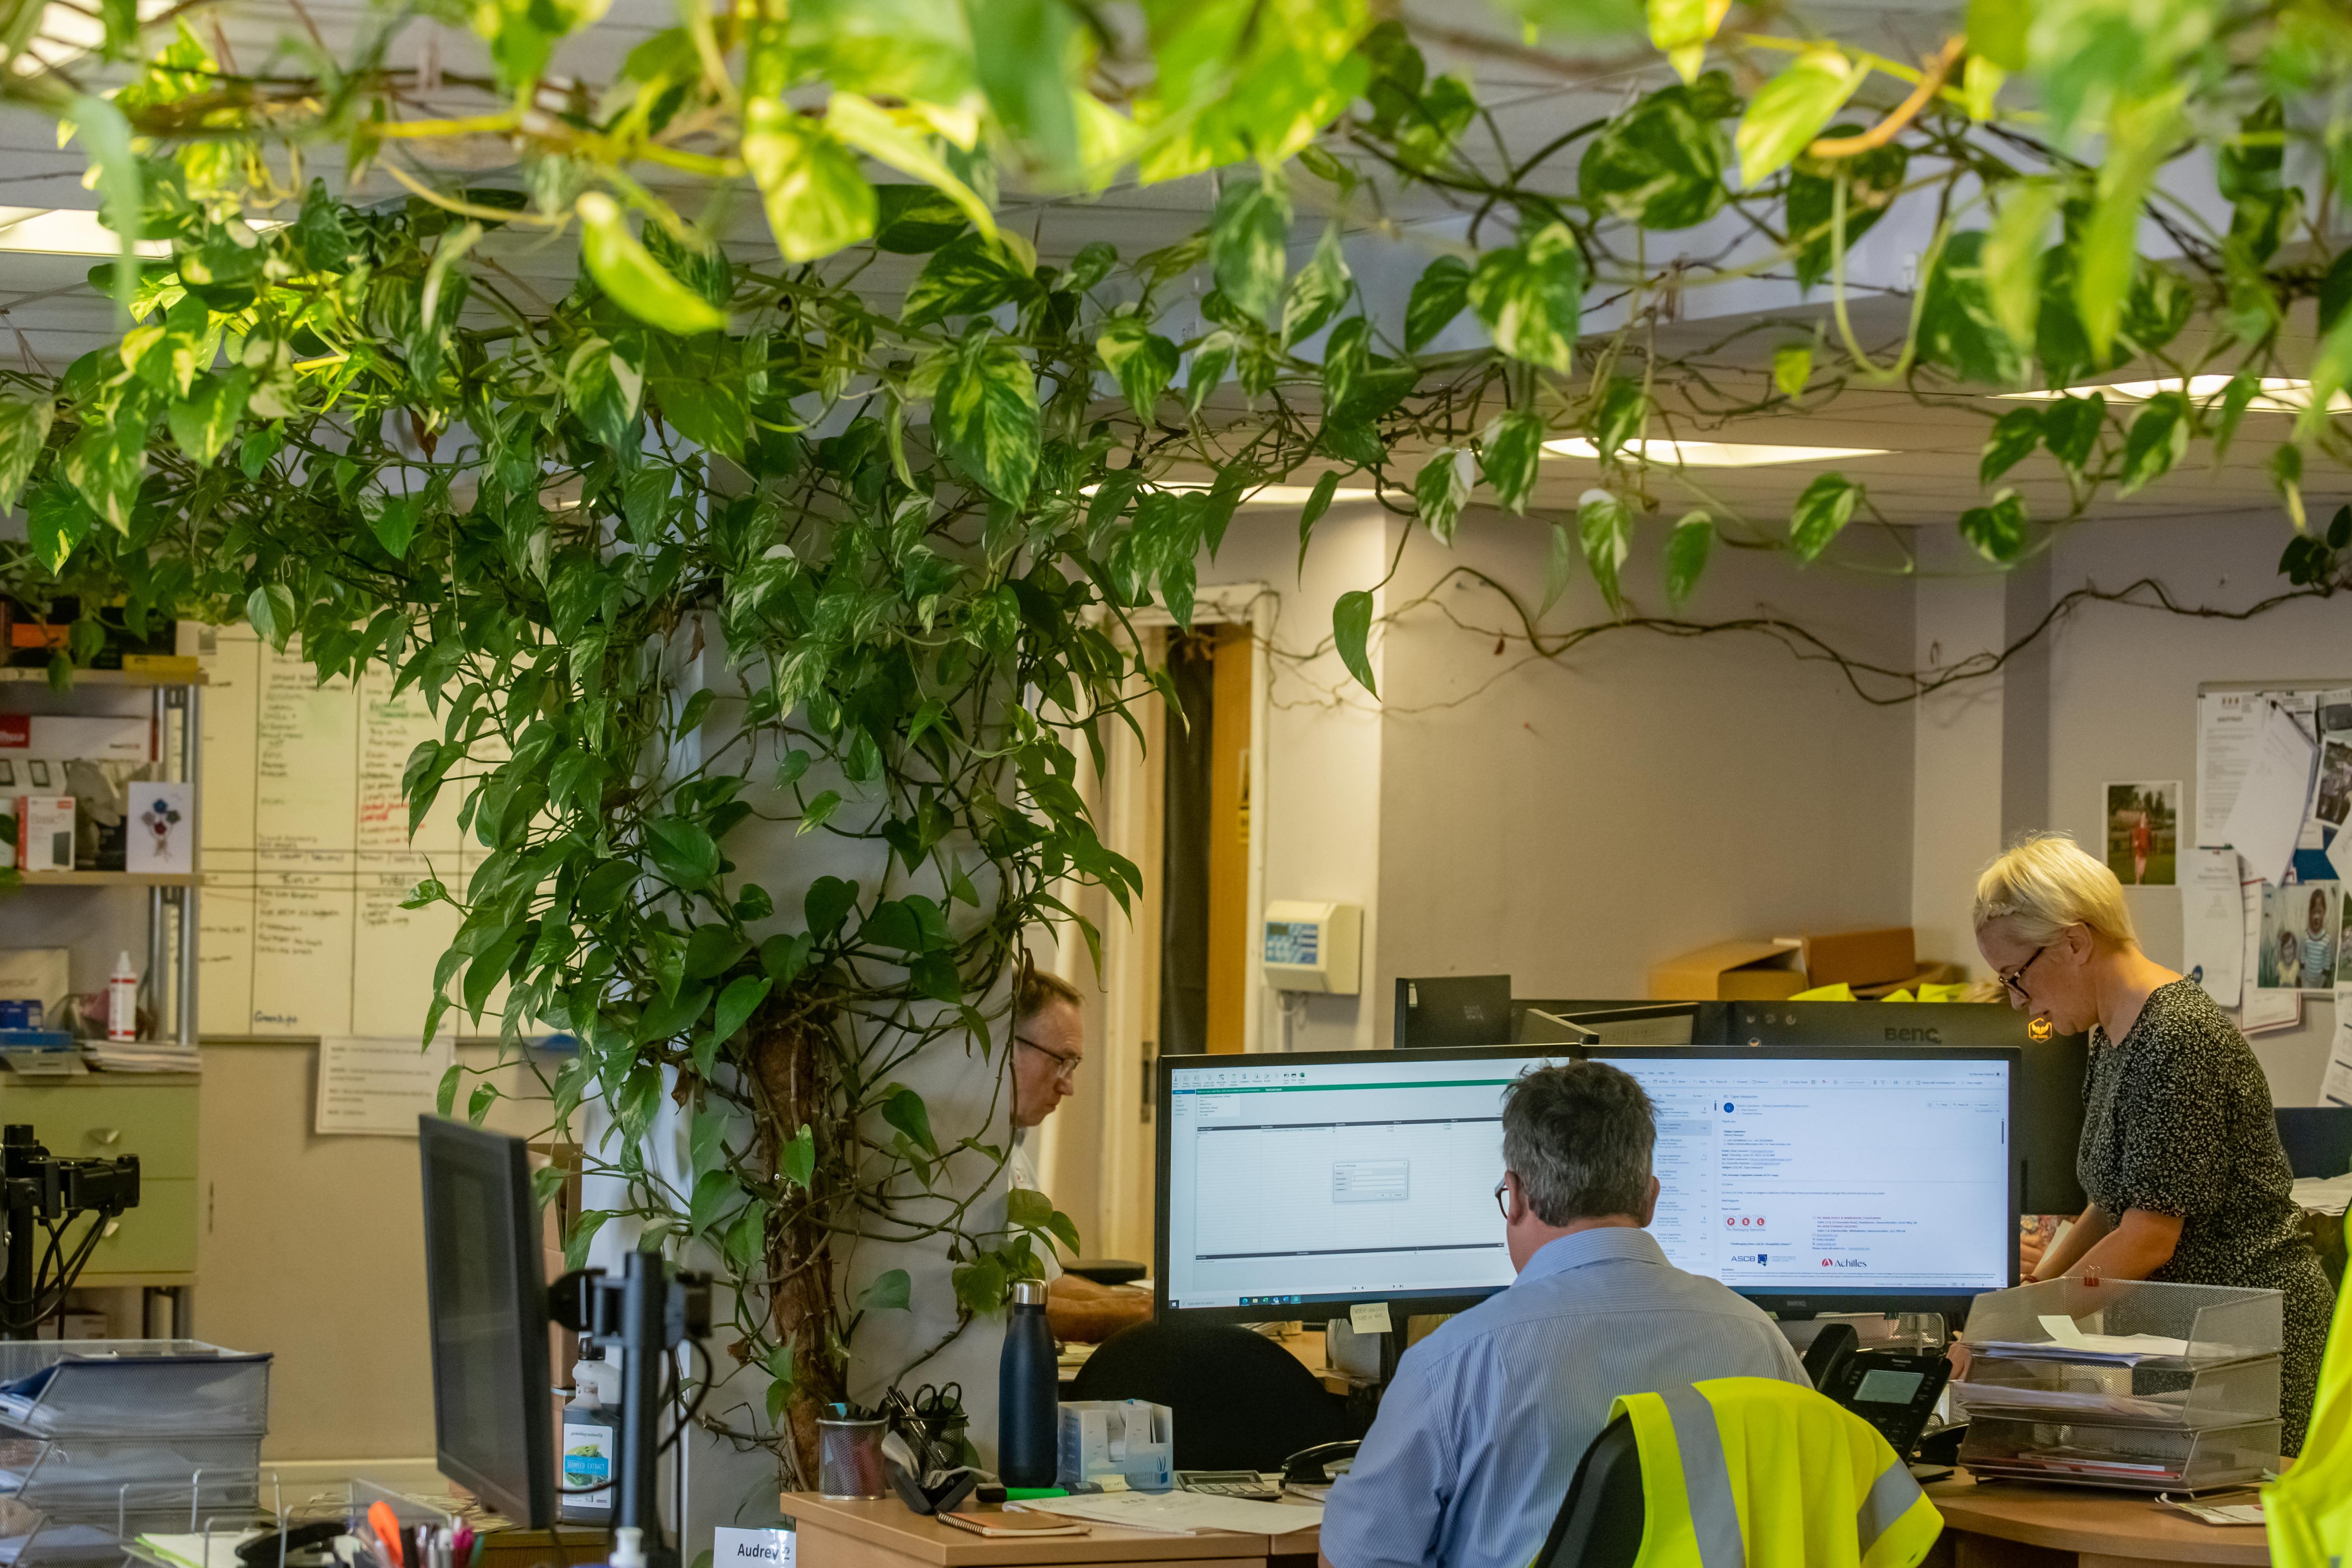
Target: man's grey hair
[{"x": 1579, "y": 1137}]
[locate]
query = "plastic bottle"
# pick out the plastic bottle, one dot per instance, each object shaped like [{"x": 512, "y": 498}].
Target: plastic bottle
[
  {"x": 1028, "y": 1413},
  {"x": 122, "y": 1000},
  {"x": 592, "y": 1440}
]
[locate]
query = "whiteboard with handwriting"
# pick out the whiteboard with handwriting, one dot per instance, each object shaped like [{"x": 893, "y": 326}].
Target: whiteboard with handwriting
[{"x": 306, "y": 852}]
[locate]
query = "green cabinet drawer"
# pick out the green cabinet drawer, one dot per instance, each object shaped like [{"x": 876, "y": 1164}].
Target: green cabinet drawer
[
  {"x": 159, "y": 1237},
  {"x": 83, "y": 1120}
]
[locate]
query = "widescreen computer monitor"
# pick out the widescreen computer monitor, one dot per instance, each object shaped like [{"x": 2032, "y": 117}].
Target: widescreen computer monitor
[
  {"x": 486, "y": 1293},
  {"x": 1808, "y": 1180}
]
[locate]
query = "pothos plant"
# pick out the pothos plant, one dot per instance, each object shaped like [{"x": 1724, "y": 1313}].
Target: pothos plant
[{"x": 908, "y": 524}]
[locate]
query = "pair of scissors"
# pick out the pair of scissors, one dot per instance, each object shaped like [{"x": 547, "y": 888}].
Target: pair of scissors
[{"x": 935, "y": 1403}]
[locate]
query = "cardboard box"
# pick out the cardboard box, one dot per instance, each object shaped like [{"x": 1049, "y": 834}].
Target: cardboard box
[
  {"x": 73, "y": 737},
  {"x": 1729, "y": 972},
  {"x": 40, "y": 974},
  {"x": 1859, "y": 958},
  {"x": 45, "y": 832}
]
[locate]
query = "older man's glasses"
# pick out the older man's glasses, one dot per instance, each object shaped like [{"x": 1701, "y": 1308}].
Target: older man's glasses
[
  {"x": 1503, "y": 1198},
  {"x": 1065, "y": 1063}
]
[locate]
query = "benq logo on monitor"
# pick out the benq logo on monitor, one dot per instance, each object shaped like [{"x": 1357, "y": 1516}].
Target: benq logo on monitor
[{"x": 1934, "y": 1037}]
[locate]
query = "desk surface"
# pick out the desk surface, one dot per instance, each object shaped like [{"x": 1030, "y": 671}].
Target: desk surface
[
  {"x": 891, "y": 1525},
  {"x": 2121, "y": 1525}
]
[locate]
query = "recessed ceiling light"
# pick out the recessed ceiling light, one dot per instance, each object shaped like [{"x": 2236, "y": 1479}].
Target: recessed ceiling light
[
  {"x": 2275, "y": 394},
  {"x": 1265, "y": 495},
  {"x": 1715, "y": 454},
  {"x": 64, "y": 231}
]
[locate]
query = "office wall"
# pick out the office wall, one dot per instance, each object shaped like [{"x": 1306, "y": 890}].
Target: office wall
[{"x": 1570, "y": 821}]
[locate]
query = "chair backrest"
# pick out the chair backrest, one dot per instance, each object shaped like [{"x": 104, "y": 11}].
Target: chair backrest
[
  {"x": 1241, "y": 1402},
  {"x": 1600, "y": 1525}
]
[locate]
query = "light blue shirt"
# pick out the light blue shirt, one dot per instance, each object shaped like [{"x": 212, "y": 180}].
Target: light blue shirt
[{"x": 1478, "y": 1436}]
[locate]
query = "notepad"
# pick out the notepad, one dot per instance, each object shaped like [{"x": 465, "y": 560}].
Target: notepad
[{"x": 1182, "y": 1513}]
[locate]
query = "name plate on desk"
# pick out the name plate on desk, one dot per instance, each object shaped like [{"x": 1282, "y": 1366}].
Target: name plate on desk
[{"x": 751, "y": 1549}]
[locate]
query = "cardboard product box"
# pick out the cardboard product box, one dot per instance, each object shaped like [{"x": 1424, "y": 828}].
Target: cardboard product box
[
  {"x": 40, "y": 974},
  {"x": 1859, "y": 958},
  {"x": 45, "y": 832},
  {"x": 1729, "y": 972},
  {"x": 61, "y": 738}
]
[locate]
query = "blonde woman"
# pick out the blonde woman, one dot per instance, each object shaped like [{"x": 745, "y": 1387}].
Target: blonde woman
[{"x": 2180, "y": 1154}]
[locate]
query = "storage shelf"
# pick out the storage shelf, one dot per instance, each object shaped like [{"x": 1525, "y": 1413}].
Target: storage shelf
[
  {"x": 111, "y": 878},
  {"x": 13, "y": 674}
]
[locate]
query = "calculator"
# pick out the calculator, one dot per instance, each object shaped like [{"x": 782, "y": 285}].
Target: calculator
[{"x": 1246, "y": 1484}]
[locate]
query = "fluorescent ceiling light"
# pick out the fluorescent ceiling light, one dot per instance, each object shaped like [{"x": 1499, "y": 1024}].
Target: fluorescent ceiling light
[
  {"x": 64, "y": 231},
  {"x": 1715, "y": 454},
  {"x": 1265, "y": 495},
  {"x": 2276, "y": 393}
]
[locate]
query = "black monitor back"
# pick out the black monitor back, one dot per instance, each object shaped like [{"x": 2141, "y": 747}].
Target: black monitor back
[
  {"x": 2049, "y": 1087},
  {"x": 1620, "y": 1022},
  {"x": 1450, "y": 1011},
  {"x": 486, "y": 1302},
  {"x": 2317, "y": 1137}
]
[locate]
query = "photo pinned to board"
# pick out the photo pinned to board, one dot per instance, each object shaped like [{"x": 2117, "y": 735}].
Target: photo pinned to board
[
  {"x": 2144, "y": 833},
  {"x": 2301, "y": 945},
  {"x": 2334, "y": 801}
]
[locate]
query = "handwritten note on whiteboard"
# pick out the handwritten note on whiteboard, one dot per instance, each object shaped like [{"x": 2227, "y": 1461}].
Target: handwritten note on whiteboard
[{"x": 378, "y": 1086}]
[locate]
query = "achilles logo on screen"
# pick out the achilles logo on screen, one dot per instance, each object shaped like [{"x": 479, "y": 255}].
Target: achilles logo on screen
[{"x": 1843, "y": 1263}]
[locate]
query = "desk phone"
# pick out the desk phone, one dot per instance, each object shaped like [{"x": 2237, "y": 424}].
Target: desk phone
[
  {"x": 1246, "y": 1484},
  {"x": 1895, "y": 1390}
]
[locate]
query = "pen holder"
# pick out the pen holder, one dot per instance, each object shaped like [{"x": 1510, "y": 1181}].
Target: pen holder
[
  {"x": 849, "y": 1459},
  {"x": 936, "y": 1440}
]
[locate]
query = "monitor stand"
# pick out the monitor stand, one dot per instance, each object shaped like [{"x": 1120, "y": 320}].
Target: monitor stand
[{"x": 646, "y": 1315}]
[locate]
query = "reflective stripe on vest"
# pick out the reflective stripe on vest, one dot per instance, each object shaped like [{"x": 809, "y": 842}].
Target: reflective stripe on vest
[
  {"x": 1707, "y": 1478},
  {"x": 1889, "y": 1499}
]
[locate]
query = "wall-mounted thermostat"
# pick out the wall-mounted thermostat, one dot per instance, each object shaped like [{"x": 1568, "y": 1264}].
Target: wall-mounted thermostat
[{"x": 1314, "y": 946}]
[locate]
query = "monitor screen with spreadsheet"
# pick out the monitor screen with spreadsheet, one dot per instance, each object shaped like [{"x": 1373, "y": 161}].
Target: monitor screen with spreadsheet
[{"x": 1810, "y": 1180}]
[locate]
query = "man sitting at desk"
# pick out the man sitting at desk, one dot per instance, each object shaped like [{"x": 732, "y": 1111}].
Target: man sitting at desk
[
  {"x": 1480, "y": 1433},
  {"x": 1049, "y": 1039}
]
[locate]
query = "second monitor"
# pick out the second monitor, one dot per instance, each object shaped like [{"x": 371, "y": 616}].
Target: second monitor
[{"x": 1808, "y": 1180}]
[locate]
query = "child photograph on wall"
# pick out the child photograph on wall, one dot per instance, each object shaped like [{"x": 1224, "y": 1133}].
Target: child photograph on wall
[{"x": 2302, "y": 928}]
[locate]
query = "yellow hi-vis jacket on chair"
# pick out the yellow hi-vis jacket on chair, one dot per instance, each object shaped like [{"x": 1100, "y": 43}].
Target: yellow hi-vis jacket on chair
[
  {"x": 1751, "y": 1472},
  {"x": 2308, "y": 1510}
]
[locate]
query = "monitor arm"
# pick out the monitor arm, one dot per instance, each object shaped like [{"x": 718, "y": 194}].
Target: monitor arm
[
  {"x": 645, "y": 1314},
  {"x": 38, "y": 1189}
]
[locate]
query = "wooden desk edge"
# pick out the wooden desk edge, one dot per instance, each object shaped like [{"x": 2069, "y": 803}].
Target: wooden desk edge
[
  {"x": 890, "y": 1526},
  {"x": 2034, "y": 1515}
]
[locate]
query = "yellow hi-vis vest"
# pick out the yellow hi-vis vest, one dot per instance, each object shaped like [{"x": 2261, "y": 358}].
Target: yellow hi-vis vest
[
  {"x": 1751, "y": 1472},
  {"x": 2308, "y": 1510}
]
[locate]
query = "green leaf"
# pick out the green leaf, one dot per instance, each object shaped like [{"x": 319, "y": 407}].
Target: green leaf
[
  {"x": 444, "y": 1096},
  {"x": 23, "y": 427},
  {"x": 1351, "y": 625},
  {"x": 271, "y": 610},
  {"x": 106, "y": 133},
  {"x": 1790, "y": 110},
  {"x": 2157, "y": 438},
  {"x": 1660, "y": 164},
  {"x": 966, "y": 277},
  {"x": 1441, "y": 488},
  {"x": 2141, "y": 138},
  {"x": 666, "y": 1019},
  {"x": 888, "y": 138},
  {"x": 985, "y": 413},
  {"x": 828, "y": 903},
  {"x": 1511, "y": 446},
  {"x": 1624, "y": 410},
  {"x": 889, "y": 1292},
  {"x": 1996, "y": 531},
  {"x": 1606, "y": 529},
  {"x": 1318, "y": 501},
  {"x": 1996, "y": 30},
  {"x": 738, "y": 1002},
  {"x": 1686, "y": 552},
  {"x": 625, "y": 269},
  {"x": 713, "y": 949},
  {"x": 2331, "y": 372},
  {"x": 106, "y": 462},
  {"x": 1247, "y": 235},
  {"x": 1143, "y": 362},
  {"x": 1792, "y": 369},
  {"x": 815, "y": 195},
  {"x": 1823, "y": 509},
  {"x": 1021, "y": 53},
  {"x": 1315, "y": 294},
  {"x": 1560, "y": 569},
  {"x": 56, "y": 521},
  {"x": 1212, "y": 356},
  {"x": 2010, "y": 258},
  {"x": 714, "y": 1196},
  {"x": 915, "y": 220},
  {"x": 796, "y": 1160},
  {"x": 1530, "y": 296},
  {"x": 2014, "y": 435},
  {"x": 1958, "y": 327},
  {"x": 1440, "y": 294},
  {"x": 904, "y": 1110},
  {"x": 2071, "y": 427},
  {"x": 682, "y": 851},
  {"x": 1681, "y": 30},
  {"x": 202, "y": 422}
]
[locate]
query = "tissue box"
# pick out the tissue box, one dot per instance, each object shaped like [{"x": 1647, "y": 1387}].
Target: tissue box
[{"x": 1130, "y": 1439}]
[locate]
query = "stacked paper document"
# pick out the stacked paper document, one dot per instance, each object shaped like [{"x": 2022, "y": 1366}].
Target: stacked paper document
[
  {"x": 141, "y": 1056},
  {"x": 1181, "y": 1513},
  {"x": 216, "y": 1550}
]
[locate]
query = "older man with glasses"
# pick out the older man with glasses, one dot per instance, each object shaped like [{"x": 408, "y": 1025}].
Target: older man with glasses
[{"x": 1049, "y": 1044}]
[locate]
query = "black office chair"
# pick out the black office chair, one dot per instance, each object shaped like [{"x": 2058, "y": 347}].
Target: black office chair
[
  {"x": 1241, "y": 1402},
  {"x": 1600, "y": 1525}
]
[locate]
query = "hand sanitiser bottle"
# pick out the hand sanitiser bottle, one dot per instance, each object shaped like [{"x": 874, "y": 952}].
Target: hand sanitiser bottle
[
  {"x": 1028, "y": 1413},
  {"x": 122, "y": 1000},
  {"x": 591, "y": 1439}
]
